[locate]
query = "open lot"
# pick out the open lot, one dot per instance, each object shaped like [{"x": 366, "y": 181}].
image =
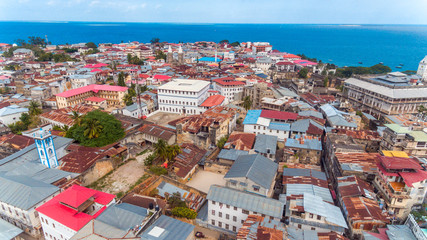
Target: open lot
[
  {"x": 162, "y": 118},
  {"x": 203, "y": 180}
]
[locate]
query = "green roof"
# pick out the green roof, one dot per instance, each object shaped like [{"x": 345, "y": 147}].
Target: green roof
[
  {"x": 419, "y": 136},
  {"x": 397, "y": 128}
]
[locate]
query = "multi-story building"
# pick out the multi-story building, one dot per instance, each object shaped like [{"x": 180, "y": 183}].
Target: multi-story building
[
  {"x": 183, "y": 96},
  {"x": 252, "y": 173},
  {"x": 113, "y": 94},
  {"x": 269, "y": 122},
  {"x": 394, "y": 93},
  {"x": 64, "y": 215},
  {"x": 402, "y": 184},
  {"x": 229, "y": 88},
  {"x": 400, "y": 138},
  {"x": 257, "y": 92},
  {"x": 422, "y": 69},
  {"x": 228, "y": 208},
  {"x": 19, "y": 198},
  {"x": 81, "y": 80}
]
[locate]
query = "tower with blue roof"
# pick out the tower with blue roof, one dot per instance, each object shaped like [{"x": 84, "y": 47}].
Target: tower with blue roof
[{"x": 46, "y": 148}]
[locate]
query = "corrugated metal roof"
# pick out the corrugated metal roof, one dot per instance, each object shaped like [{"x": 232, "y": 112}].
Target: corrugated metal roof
[
  {"x": 8, "y": 231},
  {"x": 123, "y": 216},
  {"x": 172, "y": 229},
  {"x": 252, "y": 117},
  {"x": 298, "y": 189},
  {"x": 255, "y": 167},
  {"x": 247, "y": 201},
  {"x": 314, "y": 204},
  {"x": 231, "y": 154},
  {"x": 24, "y": 192},
  {"x": 264, "y": 142}
]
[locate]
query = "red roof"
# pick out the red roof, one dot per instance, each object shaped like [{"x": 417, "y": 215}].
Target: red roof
[
  {"x": 96, "y": 70},
  {"x": 161, "y": 77},
  {"x": 74, "y": 197},
  {"x": 143, "y": 75},
  {"x": 213, "y": 100},
  {"x": 285, "y": 63},
  {"x": 95, "y": 99},
  {"x": 279, "y": 115},
  {"x": 413, "y": 177},
  {"x": 98, "y": 65},
  {"x": 399, "y": 163},
  {"x": 290, "y": 55},
  {"x": 228, "y": 82},
  {"x": 93, "y": 87}
]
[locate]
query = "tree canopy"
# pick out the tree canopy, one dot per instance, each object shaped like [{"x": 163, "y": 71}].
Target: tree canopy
[
  {"x": 121, "y": 79},
  {"x": 91, "y": 45},
  {"x": 303, "y": 73},
  {"x": 97, "y": 129},
  {"x": 347, "y": 72}
]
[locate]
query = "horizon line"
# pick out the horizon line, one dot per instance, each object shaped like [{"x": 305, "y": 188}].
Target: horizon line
[{"x": 272, "y": 23}]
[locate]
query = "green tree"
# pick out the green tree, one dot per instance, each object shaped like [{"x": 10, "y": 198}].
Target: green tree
[
  {"x": 224, "y": 41},
  {"x": 184, "y": 212},
  {"x": 172, "y": 151},
  {"x": 303, "y": 73},
  {"x": 160, "y": 55},
  {"x": 175, "y": 200},
  {"x": 25, "y": 119},
  {"x": 92, "y": 128},
  {"x": 17, "y": 127},
  {"x": 111, "y": 130},
  {"x": 91, "y": 45},
  {"x": 326, "y": 82},
  {"x": 160, "y": 149},
  {"x": 235, "y": 44},
  {"x": 128, "y": 99},
  {"x": 37, "y": 41},
  {"x": 221, "y": 142},
  {"x": 155, "y": 40},
  {"x": 247, "y": 103},
  {"x": 34, "y": 108},
  {"x": 121, "y": 79},
  {"x": 77, "y": 118}
]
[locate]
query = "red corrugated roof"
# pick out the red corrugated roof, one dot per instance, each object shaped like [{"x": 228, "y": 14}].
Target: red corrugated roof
[
  {"x": 399, "y": 163},
  {"x": 413, "y": 177},
  {"x": 161, "y": 77},
  {"x": 74, "y": 196},
  {"x": 213, "y": 100},
  {"x": 93, "y": 87},
  {"x": 228, "y": 82},
  {"x": 279, "y": 115},
  {"x": 290, "y": 55}
]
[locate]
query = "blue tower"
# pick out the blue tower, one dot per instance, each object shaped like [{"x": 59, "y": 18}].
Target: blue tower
[{"x": 46, "y": 148}]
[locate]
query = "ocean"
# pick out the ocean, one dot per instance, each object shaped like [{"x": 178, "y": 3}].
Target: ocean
[{"x": 343, "y": 45}]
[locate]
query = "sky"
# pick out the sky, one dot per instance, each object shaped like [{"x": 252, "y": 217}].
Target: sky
[{"x": 219, "y": 11}]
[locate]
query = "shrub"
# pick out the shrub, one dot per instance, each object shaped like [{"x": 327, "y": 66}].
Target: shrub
[
  {"x": 184, "y": 212},
  {"x": 149, "y": 160},
  {"x": 158, "y": 170}
]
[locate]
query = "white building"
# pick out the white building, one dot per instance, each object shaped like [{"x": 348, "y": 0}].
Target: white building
[
  {"x": 133, "y": 110},
  {"x": 269, "y": 122},
  {"x": 79, "y": 80},
  {"x": 11, "y": 114},
  {"x": 422, "y": 69},
  {"x": 183, "y": 96},
  {"x": 229, "y": 208},
  {"x": 229, "y": 88},
  {"x": 64, "y": 215}
]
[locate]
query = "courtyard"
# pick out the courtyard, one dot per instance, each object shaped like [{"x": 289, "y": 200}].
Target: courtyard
[{"x": 203, "y": 180}]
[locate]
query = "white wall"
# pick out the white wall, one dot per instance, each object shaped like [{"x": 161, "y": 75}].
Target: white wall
[
  {"x": 55, "y": 230},
  {"x": 12, "y": 118},
  {"x": 253, "y": 128}
]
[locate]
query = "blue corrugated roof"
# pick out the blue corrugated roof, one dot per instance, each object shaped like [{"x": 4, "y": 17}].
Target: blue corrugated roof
[
  {"x": 252, "y": 116},
  {"x": 231, "y": 154},
  {"x": 8, "y": 231},
  {"x": 311, "y": 144},
  {"x": 169, "y": 228},
  {"x": 256, "y": 168},
  {"x": 279, "y": 126},
  {"x": 264, "y": 142}
]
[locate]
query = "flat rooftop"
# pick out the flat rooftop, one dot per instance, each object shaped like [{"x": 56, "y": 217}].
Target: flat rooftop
[{"x": 185, "y": 85}]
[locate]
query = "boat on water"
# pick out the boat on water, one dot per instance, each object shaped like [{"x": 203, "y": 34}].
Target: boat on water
[
  {"x": 360, "y": 62},
  {"x": 398, "y": 66},
  {"x": 330, "y": 60},
  {"x": 381, "y": 63},
  {"x": 401, "y": 64}
]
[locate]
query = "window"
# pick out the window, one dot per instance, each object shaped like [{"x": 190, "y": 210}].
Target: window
[
  {"x": 17, "y": 214},
  {"x": 235, "y": 208},
  {"x": 213, "y": 212},
  {"x": 213, "y": 202},
  {"x": 245, "y": 211},
  {"x": 219, "y": 224},
  {"x": 227, "y": 226},
  {"x": 213, "y": 222},
  {"x": 228, "y": 206},
  {"x": 242, "y": 221},
  {"x": 53, "y": 224},
  {"x": 314, "y": 229},
  {"x": 318, "y": 217},
  {"x": 400, "y": 200},
  {"x": 311, "y": 215},
  {"x": 220, "y": 214},
  {"x": 299, "y": 226},
  {"x": 227, "y": 216},
  {"x": 234, "y": 219}
]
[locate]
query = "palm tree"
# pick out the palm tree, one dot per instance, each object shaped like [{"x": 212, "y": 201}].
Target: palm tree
[
  {"x": 34, "y": 108},
  {"x": 128, "y": 99},
  {"x": 64, "y": 130},
  {"x": 247, "y": 103},
  {"x": 92, "y": 128},
  {"x": 77, "y": 118},
  {"x": 172, "y": 151},
  {"x": 160, "y": 148}
]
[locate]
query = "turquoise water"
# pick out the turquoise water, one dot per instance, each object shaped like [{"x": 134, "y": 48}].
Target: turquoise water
[{"x": 344, "y": 45}]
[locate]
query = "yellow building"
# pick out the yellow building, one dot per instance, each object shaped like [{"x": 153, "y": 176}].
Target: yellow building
[{"x": 113, "y": 95}]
